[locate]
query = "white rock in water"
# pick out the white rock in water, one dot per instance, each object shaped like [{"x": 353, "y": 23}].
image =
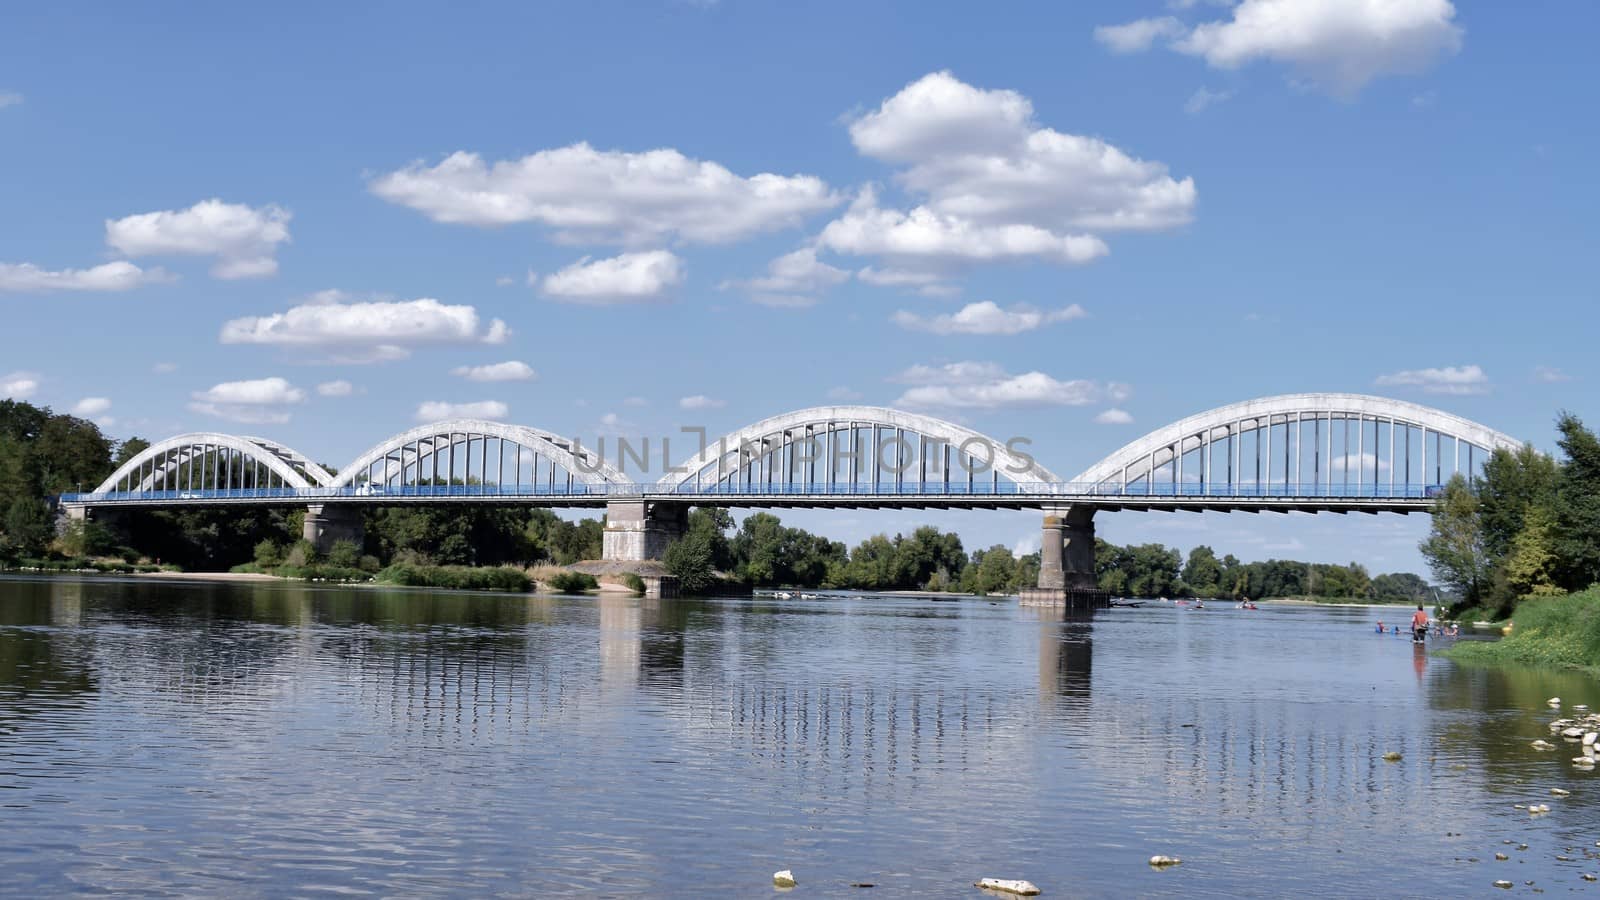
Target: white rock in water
[
  {"x": 1543, "y": 745},
  {"x": 1554, "y": 701},
  {"x": 1008, "y": 885},
  {"x": 1558, "y": 792},
  {"x": 1165, "y": 861},
  {"x": 1573, "y": 732},
  {"x": 1589, "y": 737},
  {"x": 783, "y": 879},
  {"x": 1580, "y": 707},
  {"x": 1502, "y": 883}
]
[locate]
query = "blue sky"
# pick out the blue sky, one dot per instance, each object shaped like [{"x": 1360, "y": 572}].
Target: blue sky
[{"x": 205, "y": 219}]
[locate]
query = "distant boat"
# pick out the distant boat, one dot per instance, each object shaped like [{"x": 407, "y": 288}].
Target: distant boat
[
  {"x": 1126, "y": 602},
  {"x": 784, "y": 595}
]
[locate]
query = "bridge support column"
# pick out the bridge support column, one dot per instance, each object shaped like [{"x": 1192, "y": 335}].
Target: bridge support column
[
  {"x": 641, "y": 529},
  {"x": 1066, "y": 562},
  {"x": 328, "y": 525}
]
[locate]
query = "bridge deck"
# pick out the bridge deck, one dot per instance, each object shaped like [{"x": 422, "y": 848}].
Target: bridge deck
[{"x": 1038, "y": 495}]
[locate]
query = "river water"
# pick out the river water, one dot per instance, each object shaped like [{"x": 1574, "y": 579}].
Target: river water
[{"x": 186, "y": 738}]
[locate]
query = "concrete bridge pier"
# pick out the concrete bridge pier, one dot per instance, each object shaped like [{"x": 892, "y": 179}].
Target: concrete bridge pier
[
  {"x": 327, "y": 525},
  {"x": 642, "y": 529},
  {"x": 1067, "y": 575}
]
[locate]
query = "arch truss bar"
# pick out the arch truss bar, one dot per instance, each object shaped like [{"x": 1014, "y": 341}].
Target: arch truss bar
[
  {"x": 1300, "y": 445},
  {"x": 849, "y": 450},
  {"x": 211, "y": 461}
]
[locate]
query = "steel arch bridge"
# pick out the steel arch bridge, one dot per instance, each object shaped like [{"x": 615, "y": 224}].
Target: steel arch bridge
[
  {"x": 1296, "y": 452},
  {"x": 1292, "y": 452}
]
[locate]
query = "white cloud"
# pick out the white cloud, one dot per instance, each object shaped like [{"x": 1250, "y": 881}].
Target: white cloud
[
  {"x": 244, "y": 239},
  {"x": 791, "y": 280},
  {"x": 435, "y": 410},
  {"x": 628, "y": 278},
  {"x": 929, "y": 284},
  {"x": 260, "y": 401},
  {"x": 784, "y": 301},
  {"x": 164, "y": 368},
  {"x": 925, "y": 236},
  {"x": 368, "y": 331},
  {"x": 1339, "y": 44},
  {"x": 987, "y": 317},
  {"x": 507, "y": 371},
  {"x": 982, "y": 385},
  {"x": 1550, "y": 375},
  {"x": 10, "y": 98},
  {"x": 1114, "y": 416},
  {"x": 1139, "y": 34},
  {"x": 1448, "y": 380},
  {"x": 995, "y": 186},
  {"x": 338, "y": 388},
  {"x": 613, "y": 197},
  {"x": 505, "y": 281},
  {"x": 111, "y": 276},
  {"x": 1203, "y": 98},
  {"x": 19, "y": 385},
  {"x": 89, "y": 407},
  {"x": 701, "y": 401}
]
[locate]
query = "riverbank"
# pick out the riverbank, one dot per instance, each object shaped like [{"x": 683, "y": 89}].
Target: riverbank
[
  {"x": 1336, "y": 601},
  {"x": 1560, "y": 632}
]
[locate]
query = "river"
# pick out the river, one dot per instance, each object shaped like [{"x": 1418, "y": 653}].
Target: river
[{"x": 193, "y": 738}]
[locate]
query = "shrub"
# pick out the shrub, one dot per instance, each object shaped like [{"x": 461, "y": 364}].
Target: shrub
[
  {"x": 344, "y": 554},
  {"x": 301, "y": 554},
  {"x": 573, "y": 582},
  {"x": 268, "y": 554},
  {"x": 689, "y": 560},
  {"x": 502, "y": 578},
  {"x": 634, "y": 583}
]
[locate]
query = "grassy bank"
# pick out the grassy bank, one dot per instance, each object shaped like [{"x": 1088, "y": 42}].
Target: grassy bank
[
  {"x": 103, "y": 566},
  {"x": 1550, "y": 631}
]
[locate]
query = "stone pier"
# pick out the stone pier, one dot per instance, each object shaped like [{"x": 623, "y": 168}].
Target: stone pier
[
  {"x": 327, "y": 525},
  {"x": 642, "y": 529},
  {"x": 1067, "y": 576}
]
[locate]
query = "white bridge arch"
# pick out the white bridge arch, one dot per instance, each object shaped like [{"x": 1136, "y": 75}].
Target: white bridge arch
[
  {"x": 1354, "y": 439},
  {"x": 212, "y": 460},
  {"x": 783, "y": 448},
  {"x": 415, "y": 453}
]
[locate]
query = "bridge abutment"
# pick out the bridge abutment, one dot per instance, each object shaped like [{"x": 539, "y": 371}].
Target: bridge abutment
[
  {"x": 1066, "y": 563},
  {"x": 642, "y": 529},
  {"x": 327, "y": 525}
]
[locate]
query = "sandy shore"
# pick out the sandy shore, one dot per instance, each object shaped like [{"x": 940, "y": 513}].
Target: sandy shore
[{"x": 210, "y": 576}]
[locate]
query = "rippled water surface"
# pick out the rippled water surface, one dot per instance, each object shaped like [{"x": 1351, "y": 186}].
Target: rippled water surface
[{"x": 267, "y": 740}]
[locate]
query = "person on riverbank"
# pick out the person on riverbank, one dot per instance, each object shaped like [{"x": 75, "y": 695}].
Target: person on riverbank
[{"x": 1419, "y": 624}]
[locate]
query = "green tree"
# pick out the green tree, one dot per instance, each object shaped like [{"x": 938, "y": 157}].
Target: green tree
[
  {"x": 1204, "y": 571},
  {"x": 344, "y": 554},
  {"x": 1454, "y": 546},
  {"x": 28, "y": 528},
  {"x": 1530, "y": 566},
  {"x": 1576, "y": 537},
  {"x": 689, "y": 560}
]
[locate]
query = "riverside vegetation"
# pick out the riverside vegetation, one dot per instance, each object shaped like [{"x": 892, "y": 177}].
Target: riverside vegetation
[
  {"x": 1521, "y": 542},
  {"x": 43, "y": 454}
]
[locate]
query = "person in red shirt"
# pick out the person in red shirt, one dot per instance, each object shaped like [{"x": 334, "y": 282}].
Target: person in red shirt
[{"x": 1419, "y": 624}]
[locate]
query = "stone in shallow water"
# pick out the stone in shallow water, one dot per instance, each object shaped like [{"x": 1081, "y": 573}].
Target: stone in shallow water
[
  {"x": 1558, "y": 792},
  {"x": 1392, "y": 756},
  {"x": 784, "y": 878},
  {"x": 1164, "y": 861},
  {"x": 1502, "y": 883},
  {"x": 1008, "y": 885}
]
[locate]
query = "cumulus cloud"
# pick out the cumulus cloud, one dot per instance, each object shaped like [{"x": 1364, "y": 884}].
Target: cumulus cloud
[
  {"x": 507, "y": 371},
  {"x": 89, "y": 407},
  {"x": 112, "y": 276},
  {"x": 1460, "y": 380},
  {"x": 19, "y": 385},
  {"x": 435, "y": 410},
  {"x": 701, "y": 401},
  {"x": 927, "y": 283},
  {"x": 987, "y": 317},
  {"x": 244, "y": 239},
  {"x": 611, "y": 197},
  {"x": 994, "y": 185},
  {"x": 1139, "y": 34},
  {"x": 366, "y": 331},
  {"x": 338, "y": 388},
  {"x": 1114, "y": 416},
  {"x": 627, "y": 278},
  {"x": 793, "y": 279},
  {"x": 1204, "y": 98},
  {"x": 1341, "y": 45},
  {"x": 261, "y": 401},
  {"x": 985, "y": 385}
]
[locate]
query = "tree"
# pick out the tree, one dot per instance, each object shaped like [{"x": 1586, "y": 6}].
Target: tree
[
  {"x": 1576, "y": 539},
  {"x": 1204, "y": 571},
  {"x": 689, "y": 560},
  {"x": 27, "y": 525},
  {"x": 1530, "y": 566},
  {"x": 1454, "y": 547},
  {"x": 344, "y": 554}
]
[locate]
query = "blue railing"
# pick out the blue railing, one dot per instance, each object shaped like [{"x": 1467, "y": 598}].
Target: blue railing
[{"x": 581, "y": 490}]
